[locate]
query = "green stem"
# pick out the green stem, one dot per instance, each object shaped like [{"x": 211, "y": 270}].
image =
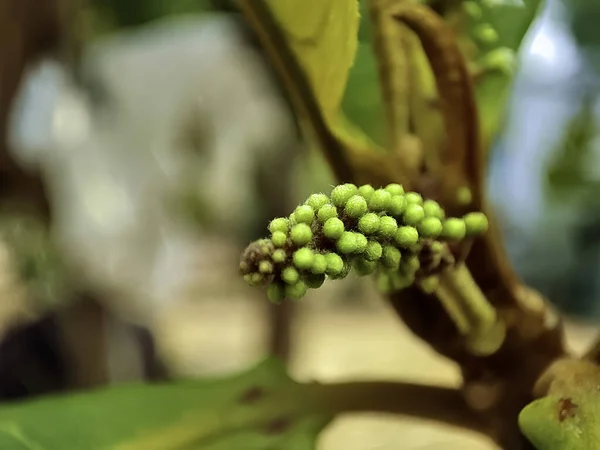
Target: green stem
[
  {"x": 453, "y": 309},
  {"x": 486, "y": 332}
]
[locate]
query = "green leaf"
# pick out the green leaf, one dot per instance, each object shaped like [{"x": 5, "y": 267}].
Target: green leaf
[
  {"x": 323, "y": 36},
  {"x": 257, "y": 410},
  {"x": 362, "y": 103},
  {"x": 567, "y": 174}
]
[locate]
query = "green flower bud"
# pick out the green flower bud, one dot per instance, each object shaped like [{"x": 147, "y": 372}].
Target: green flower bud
[
  {"x": 406, "y": 236},
  {"x": 265, "y": 246},
  {"x": 397, "y": 205},
  {"x": 333, "y": 228},
  {"x": 280, "y": 224},
  {"x": 366, "y": 190},
  {"x": 279, "y": 256},
  {"x": 390, "y": 257},
  {"x": 293, "y": 220},
  {"x": 437, "y": 247},
  {"x": 356, "y": 206},
  {"x": 476, "y": 223},
  {"x": 275, "y": 292},
  {"x": 343, "y": 274},
  {"x": 454, "y": 229},
  {"x": 265, "y": 267},
  {"x": 316, "y": 201},
  {"x": 296, "y": 291},
  {"x": 430, "y": 227},
  {"x": 433, "y": 209},
  {"x": 380, "y": 200},
  {"x": 410, "y": 264},
  {"x": 464, "y": 196},
  {"x": 347, "y": 243},
  {"x": 290, "y": 275},
  {"x": 304, "y": 214},
  {"x": 314, "y": 281},
  {"x": 395, "y": 189},
  {"x": 399, "y": 281},
  {"x": 319, "y": 264},
  {"x": 342, "y": 193},
  {"x": 335, "y": 264},
  {"x": 303, "y": 258},
  {"x": 430, "y": 284},
  {"x": 414, "y": 198},
  {"x": 387, "y": 227},
  {"x": 279, "y": 238},
  {"x": 363, "y": 267},
  {"x": 326, "y": 212},
  {"x": 373, "y": 251},
  {"x": 414, "y": 214},
  {"x": 301, "y": 234},
  {"x": 369, "y": 223},
  {"x": 361, "y": 242},
  {"x": 253, "y": 279}
]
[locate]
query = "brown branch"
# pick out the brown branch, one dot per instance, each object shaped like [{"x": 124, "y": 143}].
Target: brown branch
[
  {"x": 444, "y": 405},
  {"x": 392, "y": 65},
  {"x": 464, "y": 161}
]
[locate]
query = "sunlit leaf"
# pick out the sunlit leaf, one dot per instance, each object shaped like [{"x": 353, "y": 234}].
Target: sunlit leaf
[
  {"x": 323, "y": 36},
  {"x": 258, "y": 410}
]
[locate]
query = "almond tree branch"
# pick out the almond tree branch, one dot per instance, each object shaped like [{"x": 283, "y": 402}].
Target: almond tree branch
[{"x": 440, "y": 404}]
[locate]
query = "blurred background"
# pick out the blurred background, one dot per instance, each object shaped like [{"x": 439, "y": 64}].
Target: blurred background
[{"x": 147, "y": 145}]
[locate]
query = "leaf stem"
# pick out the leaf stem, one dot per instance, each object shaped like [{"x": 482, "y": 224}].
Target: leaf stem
[{"x": 440, "y": 404}]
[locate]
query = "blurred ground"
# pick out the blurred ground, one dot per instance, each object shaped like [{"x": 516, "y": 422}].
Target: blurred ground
[{"x": 333, "y": 342}]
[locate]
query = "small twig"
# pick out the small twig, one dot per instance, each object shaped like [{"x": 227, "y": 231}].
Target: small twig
[
  {"x": 279, "y": 339},
  {"x": 445, "y": 405}
]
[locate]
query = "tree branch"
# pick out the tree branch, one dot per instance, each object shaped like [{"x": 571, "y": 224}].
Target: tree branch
[{"x": 444, "y": 405}]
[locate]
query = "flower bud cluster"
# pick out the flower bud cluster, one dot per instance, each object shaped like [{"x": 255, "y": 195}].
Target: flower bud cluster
[{"x": 395, "y": 233}]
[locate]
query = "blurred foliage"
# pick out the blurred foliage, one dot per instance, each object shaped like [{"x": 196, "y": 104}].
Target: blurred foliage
[
  {"x": 261, "y": 409},
  {"x": 491, "y": 33},
  {"x": 115, "y": 14},
  {"x": 568, "y": 173},
  {"x": 584, "y": 16},
  {"x": 34, "y": 259}
]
